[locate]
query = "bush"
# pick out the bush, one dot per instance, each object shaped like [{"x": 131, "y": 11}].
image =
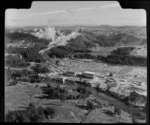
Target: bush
[
  {"x": 83, "y": 91},
  {"x": 31, "y": 114},
  {"x": 15, "y": 62},
  {"x": 35, "y": 78},
  {"x": 71, "y": 97},
  {"x": 13, "y": 74},
  {"x": 40, "y": 68},
  {"x": 97, "y": 88},
  {"x": 16, "y": 74},
  {"x": 90, "y": 105},
  {"x": 55, "y": 92}
]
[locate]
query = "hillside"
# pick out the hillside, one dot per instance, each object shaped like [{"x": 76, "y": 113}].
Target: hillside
[
  {"x": 89, "y": 39},
  {"x": 109, "y": 35},
  {"x": 75, "y": 76}
]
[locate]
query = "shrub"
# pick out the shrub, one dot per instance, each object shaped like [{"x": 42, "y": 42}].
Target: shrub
[{"x": 83, "y": 91}]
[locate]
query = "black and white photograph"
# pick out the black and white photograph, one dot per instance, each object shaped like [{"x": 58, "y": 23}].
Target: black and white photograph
[{"x": 75, "y": 62}]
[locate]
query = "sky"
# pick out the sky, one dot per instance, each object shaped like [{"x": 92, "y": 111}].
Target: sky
[{"x": 54, "y": 13}]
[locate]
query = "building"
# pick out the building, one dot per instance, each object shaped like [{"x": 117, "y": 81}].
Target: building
[
  {"x": 88, "y": 75},
  {"x": 69, "y": 73}
]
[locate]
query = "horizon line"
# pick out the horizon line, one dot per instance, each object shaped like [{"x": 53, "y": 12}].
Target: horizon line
[{"x": 7, "y": 27}]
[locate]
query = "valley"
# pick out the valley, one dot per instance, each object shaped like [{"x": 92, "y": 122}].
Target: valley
[{"x": 88, "y": 75}]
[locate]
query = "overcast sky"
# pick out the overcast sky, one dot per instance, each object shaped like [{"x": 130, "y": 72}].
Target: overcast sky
[{"x": 75, "y": 13}]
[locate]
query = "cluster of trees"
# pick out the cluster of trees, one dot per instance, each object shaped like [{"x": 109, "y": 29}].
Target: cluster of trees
[
  {"x": 55, "y": 92},
  {"x": 89, "y": 106},
  {"x": 83, "y": 91},
  {"x": 135, "y": 97},
  {"x": 24, "y": 75},
  {"x": 15, "y": 61},
  {"x": 30, "y": 114},
  {"x": 30, "y": 54},
  {"x": 123, "y": 51},
  {"x": 34, "y": 78},
  {"x": 117, "y": 39},
  {"x": 66, "y": 51},
  {"x": 83, "y": 41},
  {"x": 38, "y": 68},
  {"x": 84, "y": 56},
  {"x": 58, "y": 52},
  {"x": 124, "y": 60},
  {"x": 121, "y": 56},
  {"x": 90, "y": 39},
  {"x": 18, "y": 50},
  {"x": 13, "y": 74},
  {"x": 27, "y": 37},
  {"x": 62, "y": 93},
  {"x": 15, "y": 50}
]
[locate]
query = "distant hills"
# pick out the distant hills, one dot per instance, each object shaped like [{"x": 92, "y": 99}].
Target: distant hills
[
  {"x": 93, "y": 42},
  {"x": 91, "y": 36}
]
